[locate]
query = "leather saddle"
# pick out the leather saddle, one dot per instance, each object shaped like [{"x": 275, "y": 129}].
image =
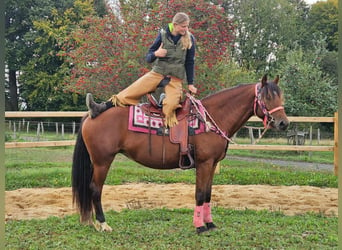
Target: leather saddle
[{"x": 178, "y": 134}]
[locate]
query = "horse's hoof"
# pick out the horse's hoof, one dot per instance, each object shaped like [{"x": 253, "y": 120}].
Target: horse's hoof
[
  {"x": 211, "y": 226},
  {"x": 102, "y": 226},
  {"x": 200, "y": 230}
]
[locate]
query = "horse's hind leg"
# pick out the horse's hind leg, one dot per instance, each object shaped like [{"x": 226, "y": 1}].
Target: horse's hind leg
[{"x": 96, "y": 186}]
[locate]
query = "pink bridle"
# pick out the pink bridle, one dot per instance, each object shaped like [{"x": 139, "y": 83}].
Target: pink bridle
[{"x": 268, "y": 118}]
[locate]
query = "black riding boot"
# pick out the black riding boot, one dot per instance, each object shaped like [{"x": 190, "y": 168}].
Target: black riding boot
[{"x": 97, "y": 108}]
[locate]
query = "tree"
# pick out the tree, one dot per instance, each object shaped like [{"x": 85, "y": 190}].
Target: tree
[
  {"x": 103, "y": 56},
  {"x": 101, "y": 7},
  {"x": 323, "y": 20},
  {"x": 43, "y": 76},
  {"x": 265, "y": 30},
  {"x": 21, "y": 46},
  {"x": 307, "y": 90},
  {"x": 109, "y": 52},
  {"x": 328, "y": 64},
  {"x": 18, "y": 22}
]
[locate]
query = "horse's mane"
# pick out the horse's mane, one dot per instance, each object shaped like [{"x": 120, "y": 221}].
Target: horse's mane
[
  {"x": 269, "y": 90},
  {"x": 224, "y": 91}
]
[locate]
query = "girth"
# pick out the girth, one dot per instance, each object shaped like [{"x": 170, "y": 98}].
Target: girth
[{"x": 178, "y": 134}]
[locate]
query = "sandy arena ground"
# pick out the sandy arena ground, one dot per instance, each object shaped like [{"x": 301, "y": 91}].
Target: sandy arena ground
[{"x": 29, "y": 203}]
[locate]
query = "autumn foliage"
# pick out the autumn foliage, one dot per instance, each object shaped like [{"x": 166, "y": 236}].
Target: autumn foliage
[{"x": 107, "y": 54}]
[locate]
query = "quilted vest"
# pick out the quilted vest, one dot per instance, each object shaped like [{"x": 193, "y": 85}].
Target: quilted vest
[{"x": 173, "y": 63}]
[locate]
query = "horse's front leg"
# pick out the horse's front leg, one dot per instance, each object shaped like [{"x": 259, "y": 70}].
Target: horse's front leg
[{"x": 202, "y": 214}]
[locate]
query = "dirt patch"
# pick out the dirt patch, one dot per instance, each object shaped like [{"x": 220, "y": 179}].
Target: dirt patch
[{"x": 29, "y": 203}]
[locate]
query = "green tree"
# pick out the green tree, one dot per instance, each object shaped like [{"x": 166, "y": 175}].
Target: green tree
[
  {"x": 43, "y": 76},
  {"x": 21, "y": 46},
  {"x": 307, "y": 90},
  {"x": 101, "y": 7},
  {"x": 19, "y": 16},
  {"x": 265, "y": 30},
  {"x": 323, "y": 20},
  {"x": 328, "y": 64}
]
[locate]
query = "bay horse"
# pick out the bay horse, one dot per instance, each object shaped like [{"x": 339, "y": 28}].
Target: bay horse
[{"x": 100, "y": 139}]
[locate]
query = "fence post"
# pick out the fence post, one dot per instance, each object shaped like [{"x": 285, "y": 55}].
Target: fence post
[
  {"x": 250, "y": 130},
  {"x": 14, "y": 131},
  {"x": 62, "y": 130},
  {"x": 318, "y": 136},
  {"x": 336, "y": 143},
  {"x": 73, "y": 128},
  {"x": 56, "y": 124},
  {"x": 38, "y": 131},
  {"x": 310, "y": 137},
  {"x": 42, "y": 127}
]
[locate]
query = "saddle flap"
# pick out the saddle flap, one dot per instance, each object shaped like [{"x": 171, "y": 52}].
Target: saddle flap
[{"x": 179, "y": 134}]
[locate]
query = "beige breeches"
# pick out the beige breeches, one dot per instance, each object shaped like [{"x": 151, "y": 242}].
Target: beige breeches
[{"x": 148, "y": 83}]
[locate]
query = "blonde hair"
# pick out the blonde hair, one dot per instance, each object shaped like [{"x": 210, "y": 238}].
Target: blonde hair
[{"x": 180, "y": 18}]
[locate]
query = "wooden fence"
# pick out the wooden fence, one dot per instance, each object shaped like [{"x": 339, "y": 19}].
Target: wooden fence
[{"x": 231, "y": 146}]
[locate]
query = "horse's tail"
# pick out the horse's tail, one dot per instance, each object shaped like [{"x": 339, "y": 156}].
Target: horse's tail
[{"x": 82, "y": 172}]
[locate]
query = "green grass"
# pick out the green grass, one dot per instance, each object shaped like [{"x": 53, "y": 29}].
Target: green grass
[
  {"x": 58, "y": 174},
  {"x": 316, "y": 156},
  {"x": 165, "y": 228},
  {"x": 172, "y": 229},
  {"x": 26, "y": 157},
  {"x": 51, "y": 167}
]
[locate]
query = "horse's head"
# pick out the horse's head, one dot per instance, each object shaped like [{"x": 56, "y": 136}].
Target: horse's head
[{"x": 268, "y": 104}]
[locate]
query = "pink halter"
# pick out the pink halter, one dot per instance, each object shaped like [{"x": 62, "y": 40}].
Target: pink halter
[{"x": 268, "y": 117}]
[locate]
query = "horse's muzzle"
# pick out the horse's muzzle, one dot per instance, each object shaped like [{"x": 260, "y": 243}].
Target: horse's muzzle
[{"x": 281, "y": 125}]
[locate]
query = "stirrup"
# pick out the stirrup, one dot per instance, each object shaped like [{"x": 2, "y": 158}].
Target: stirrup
[{"x": 186, "y": 158}]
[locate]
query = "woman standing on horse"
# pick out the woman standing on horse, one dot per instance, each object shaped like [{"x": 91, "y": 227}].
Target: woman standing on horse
[{"x": 173, "y": 54}]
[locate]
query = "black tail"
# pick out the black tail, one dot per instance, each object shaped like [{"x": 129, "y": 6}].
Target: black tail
[{"x": 82, "y": 172}]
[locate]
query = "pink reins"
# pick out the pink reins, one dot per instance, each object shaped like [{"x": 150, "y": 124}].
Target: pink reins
[{"x": 257, "y": 102}]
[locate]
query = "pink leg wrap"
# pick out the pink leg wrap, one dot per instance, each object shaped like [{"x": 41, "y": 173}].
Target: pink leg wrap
[
  {"x": 207, "y": 213},
  {"x": 198, "y": 216}
]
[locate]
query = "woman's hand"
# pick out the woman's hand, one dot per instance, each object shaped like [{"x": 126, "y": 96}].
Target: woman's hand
[
  {"x": 160, "y": 52},
  {"x": 192, "y": 89}
]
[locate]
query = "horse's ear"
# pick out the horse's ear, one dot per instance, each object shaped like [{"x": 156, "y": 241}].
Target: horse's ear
[
  {"x": 264, "y": 80},
  {"x": 276, "y": 80}
]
